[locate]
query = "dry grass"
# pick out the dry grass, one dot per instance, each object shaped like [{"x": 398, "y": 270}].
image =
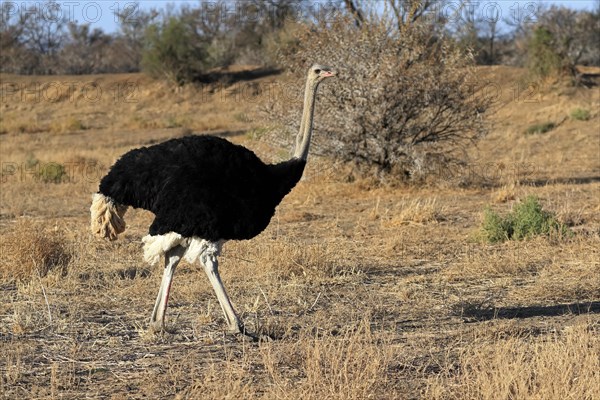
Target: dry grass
[
  {"x": 349, "y": 365},
  {"x": 559, "y": 365},
  {"x": 284, "y": 258},
  {"x": 32, "y": 250},
  {"x": 417, "y": 211},
  {"x": 505, "y": 193},
  {"x": 371, "y": 292},
  {"x": 67, "y": 125}
]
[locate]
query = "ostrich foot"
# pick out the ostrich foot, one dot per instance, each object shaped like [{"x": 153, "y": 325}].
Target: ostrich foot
[{"x": 239, "y": 329}]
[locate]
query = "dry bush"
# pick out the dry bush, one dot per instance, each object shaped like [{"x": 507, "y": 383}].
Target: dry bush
[
  {"x": 403, "y": 105},
  {"x": 30, "y": 249},
  {"x": 564, "y": 366}
]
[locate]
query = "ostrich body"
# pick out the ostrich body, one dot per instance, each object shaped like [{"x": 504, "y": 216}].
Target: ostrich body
[{"x": 203, "y": 190}]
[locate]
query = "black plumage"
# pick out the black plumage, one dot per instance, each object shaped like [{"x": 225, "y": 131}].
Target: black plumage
[
  {"x": 202, "y": 186},
  {"x": 205, "y": 189}
]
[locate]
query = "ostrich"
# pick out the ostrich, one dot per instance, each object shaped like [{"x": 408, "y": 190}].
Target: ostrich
[{"x": 203, "y": 190}]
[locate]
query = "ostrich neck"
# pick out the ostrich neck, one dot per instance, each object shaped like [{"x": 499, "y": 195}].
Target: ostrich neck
[{"x": 305, "y": 133}]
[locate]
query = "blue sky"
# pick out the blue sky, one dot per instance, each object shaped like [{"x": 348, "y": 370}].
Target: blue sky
[{"x": 101, "y": 13}]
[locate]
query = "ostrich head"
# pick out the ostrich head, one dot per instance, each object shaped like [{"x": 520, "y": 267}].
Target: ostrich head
[{"x": 318, "y": 73}]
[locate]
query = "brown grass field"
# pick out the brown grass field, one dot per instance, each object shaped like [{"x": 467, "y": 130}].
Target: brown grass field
[{"x": 372, "y": 292}]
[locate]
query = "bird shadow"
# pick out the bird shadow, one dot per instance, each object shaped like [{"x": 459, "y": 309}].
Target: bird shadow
[{"x": 477, "y": 313}]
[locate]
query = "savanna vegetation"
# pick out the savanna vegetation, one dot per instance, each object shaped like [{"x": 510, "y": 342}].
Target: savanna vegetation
[{"x": 443, "y": 243}]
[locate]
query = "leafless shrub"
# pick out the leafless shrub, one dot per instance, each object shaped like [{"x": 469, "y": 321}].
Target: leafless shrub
[
  {"x": 31, "y": 250},
  {"x": 404, "y": 104}
]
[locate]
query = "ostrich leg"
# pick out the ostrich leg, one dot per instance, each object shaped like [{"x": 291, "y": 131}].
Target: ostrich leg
[
  {"x": 211, "y": 267},
  {"x": 172, "y": 258}
]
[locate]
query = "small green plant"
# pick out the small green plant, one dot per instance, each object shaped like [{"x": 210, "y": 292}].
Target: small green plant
[
  {"x": 173, "y": 122},
  {"x": 31, "y": 161},
  {"x": 494, "y": 227},
  {"x": 540, "y": 128},
  {"x": 52, "y": 173},
  {"x": 526, "y": 220},
  {"x": 46, "y": 172},
  {"x": 580, "y": 114},
  {"x": 256, "y": 133},
  {"x": 242, "y": 117}
]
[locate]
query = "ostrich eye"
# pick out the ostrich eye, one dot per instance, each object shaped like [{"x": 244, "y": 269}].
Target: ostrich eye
[{"x": 317, "y": 71}]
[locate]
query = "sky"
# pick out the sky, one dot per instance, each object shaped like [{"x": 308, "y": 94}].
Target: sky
[{"x": 101, "y": 13}]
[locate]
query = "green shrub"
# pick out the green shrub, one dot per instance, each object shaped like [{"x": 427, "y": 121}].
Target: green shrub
[
  {"x": 494, "y": 227},
  {"x": 526, "y": 220},
  {"x": 540, "y": 128},
  {"x": 580, "y": 114},
  {"x": 52, "y": 173},
  {"x": 174, "y": 51},
  {"x": 31, "y": 161},
  {"x": 543, "y": 60},
  {"x": 529, "y": 219},
  {"x": 46, "y": 172}
]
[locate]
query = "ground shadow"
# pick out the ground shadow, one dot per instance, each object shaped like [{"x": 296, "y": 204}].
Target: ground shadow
[
  {"x": 561, "y": 181},
  {"x": 588, "y": 79},
  {"x": 477, "y": 313},
  {"x": 231, "y": 77}
]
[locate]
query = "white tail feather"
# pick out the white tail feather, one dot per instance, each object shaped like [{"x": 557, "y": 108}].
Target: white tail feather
[{"x": 107, "y": 217}]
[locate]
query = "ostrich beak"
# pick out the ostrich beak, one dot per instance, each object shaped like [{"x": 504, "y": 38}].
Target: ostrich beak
[{"x": 328, "y": 74}]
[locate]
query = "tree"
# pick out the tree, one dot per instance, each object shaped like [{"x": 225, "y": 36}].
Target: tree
[
  {"x": 172, "y": 50},
  {"x": 85, "y": 50},
  {"x": 543, "y": 59},
  {"x": 128, "y": 42},
  {"x": 560, "y": 40},
  {"x": 237, "y": 31},
  {"x": 491, "y": 31},
  {"x": 400, "y": 12},
  {"x": 14, "y": 53},
  {"x": 31, "y": 41}
]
